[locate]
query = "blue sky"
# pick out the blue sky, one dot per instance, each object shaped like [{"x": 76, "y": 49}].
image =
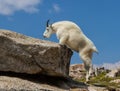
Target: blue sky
[{"x": 98, "y": 19}]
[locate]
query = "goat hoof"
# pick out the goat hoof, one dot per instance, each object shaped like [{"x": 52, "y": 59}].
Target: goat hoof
[{"x": 63, "y": 46}]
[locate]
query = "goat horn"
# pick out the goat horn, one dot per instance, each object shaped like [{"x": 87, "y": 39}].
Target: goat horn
[{"x": 47, "y": 24}]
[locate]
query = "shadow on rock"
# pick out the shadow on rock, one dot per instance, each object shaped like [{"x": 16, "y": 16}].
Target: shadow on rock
[{"x": 60, "y": 82}]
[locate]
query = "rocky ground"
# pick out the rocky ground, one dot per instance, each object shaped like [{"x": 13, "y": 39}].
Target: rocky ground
[
  {"x": 29, "y": 64},
  {"x": 106, "y": 80},
  {"x": 32, "y": 64},
  {"x": 10, "y": 81}
]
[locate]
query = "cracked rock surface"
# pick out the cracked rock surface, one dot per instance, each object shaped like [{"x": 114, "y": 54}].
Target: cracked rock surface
[{"x": 23, "y": 54}]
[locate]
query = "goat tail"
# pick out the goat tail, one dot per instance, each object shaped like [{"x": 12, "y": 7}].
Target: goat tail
[{"x": 95, "y": 50}]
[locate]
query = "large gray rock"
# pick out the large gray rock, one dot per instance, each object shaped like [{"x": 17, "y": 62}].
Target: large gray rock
[{"x": 23, "y": 54}]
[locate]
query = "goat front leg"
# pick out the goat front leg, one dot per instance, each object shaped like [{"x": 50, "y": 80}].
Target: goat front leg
[
  {"x": 63, "y": 40},
  {"x": 87, "y": 64}
]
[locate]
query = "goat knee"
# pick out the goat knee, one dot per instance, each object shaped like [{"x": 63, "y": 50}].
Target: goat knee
[
  {"x": 87, "y": 63},
  {"x": 63, "y": 40}
]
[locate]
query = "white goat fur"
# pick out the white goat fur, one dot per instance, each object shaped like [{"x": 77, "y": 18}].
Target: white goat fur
[{"x": 70, "y": 34}]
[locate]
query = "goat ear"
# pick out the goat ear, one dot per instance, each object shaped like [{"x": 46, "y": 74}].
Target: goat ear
[
  {"x": 47, "y": 23},
  {"x": 51, "y": 25}
]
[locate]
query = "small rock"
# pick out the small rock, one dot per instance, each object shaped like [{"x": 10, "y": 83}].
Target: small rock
[
  {"x": 77, "y": 71},
  {"x": 115, "y": 81},
  {"x": 113, "y": 73},
  {"x": 95, "y": 88}
]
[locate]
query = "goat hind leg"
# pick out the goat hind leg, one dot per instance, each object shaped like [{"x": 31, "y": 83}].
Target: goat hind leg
[{"x": 87, "y": 64}]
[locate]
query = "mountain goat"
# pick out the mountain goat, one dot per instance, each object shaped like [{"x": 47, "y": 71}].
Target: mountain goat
[{"x": 71, "y": 35}]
